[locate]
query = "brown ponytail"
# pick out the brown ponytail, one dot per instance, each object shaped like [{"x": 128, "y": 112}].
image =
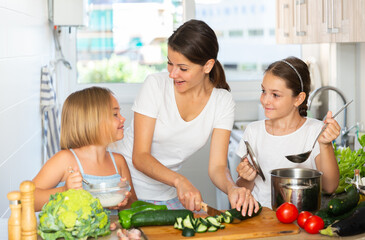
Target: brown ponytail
[{"x": 217, "y": 76}]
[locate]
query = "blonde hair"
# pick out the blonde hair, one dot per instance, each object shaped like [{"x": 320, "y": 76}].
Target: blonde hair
[{"x": 86, "y": 118}]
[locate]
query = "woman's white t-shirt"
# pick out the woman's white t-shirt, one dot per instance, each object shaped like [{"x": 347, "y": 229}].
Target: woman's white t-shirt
[
  {"x": 270, "y": 152},
  {"x": 174, "y": 139}
]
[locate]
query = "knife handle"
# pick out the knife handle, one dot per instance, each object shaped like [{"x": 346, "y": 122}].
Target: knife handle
[{"x": 204, "y": 206}]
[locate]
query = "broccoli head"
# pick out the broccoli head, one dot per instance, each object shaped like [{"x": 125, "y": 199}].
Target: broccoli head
[{"x": 73, "y": 214}]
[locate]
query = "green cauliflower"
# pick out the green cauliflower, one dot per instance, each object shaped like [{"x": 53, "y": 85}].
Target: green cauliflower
[{"x": 74, "y": 214}]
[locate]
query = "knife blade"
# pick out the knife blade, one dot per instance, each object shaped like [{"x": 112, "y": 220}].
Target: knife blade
[{"x": 211, "y": 211}]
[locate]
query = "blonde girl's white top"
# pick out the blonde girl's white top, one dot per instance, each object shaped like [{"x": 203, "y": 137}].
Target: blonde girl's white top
[
  {"x": 271, "y": 150},
  {"x": 174, "y": 139}
]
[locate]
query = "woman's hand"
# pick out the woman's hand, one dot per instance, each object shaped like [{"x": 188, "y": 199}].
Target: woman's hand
[
  {"x": 242, "y": 199},
  {"x": 246, "y": 171},
  {"x": 331, "y": 132},
  {"x": 188, "y": 195},
  {"x": 74, "y": 179}
]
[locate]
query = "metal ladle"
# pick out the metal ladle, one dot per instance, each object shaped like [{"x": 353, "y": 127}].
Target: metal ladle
[{"x": 299, "y": 158}]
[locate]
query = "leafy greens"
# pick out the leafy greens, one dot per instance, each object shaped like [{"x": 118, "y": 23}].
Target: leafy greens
[{"x": 348, "y": 161}]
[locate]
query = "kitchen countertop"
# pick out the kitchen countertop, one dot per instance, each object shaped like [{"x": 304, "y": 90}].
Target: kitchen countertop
[{"x": 300, "y": 236}]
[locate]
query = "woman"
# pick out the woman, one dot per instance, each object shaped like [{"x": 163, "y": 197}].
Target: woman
[{"x": 174, "y": 115}]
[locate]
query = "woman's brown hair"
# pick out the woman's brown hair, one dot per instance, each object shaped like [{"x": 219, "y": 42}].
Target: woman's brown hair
[
  {"x": 296, "y": 75},
  {"x": 86, "y": 118},
  {"x": 198, "y": 43}
]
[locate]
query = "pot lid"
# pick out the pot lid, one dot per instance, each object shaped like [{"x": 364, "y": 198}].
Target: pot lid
[{"x": 254, "y": 161}]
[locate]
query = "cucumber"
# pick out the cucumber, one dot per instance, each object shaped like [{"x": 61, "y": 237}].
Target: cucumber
[
  {"x": 125, "y": 216},
  {"x": 227, "y": 217},
  {"x": 212, "y": 229},
  {"x": 139, "y": 203},
  {"x": 159, "y": 217},
  {"x": 188, "y": 232},
  {"x": 237, "y": 214},
  {"x": 329, "y": 219},
  {"x": 342, "y": 204},
  {"x": 205, "y": 222},
  {"x": 179, "y": 223},
  {"x": 213, "y": 221},
  {"x": 325, "y": 215},
  {"x": 188, "y": 222},
  {"x": 355, "y": 224},
  {"x": 200, "y": 228}
]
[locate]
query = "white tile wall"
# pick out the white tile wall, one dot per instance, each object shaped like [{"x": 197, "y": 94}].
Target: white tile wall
[
  {"x": 3, "y": 33},
  {"x": 25, "y": 46}
]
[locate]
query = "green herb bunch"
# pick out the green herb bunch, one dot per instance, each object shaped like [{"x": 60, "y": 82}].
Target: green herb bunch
[
  {"x": 73, "y": 214},
  {"x": 348, "y": 161}
]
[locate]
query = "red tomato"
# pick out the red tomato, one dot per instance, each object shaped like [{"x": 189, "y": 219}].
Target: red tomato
[
  {"x": 302, "y": 218},
  {"x": 313, "y": 224},
  {"x": 287, "y": 213}
]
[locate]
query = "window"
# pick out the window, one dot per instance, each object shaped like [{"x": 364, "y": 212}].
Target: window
[
  {"x": 247, "y": 45},
  {"x": 125, "y": 40}
]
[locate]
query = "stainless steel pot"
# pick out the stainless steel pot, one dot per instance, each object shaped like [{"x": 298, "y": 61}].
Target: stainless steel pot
[{"x": 300, "y": 186}]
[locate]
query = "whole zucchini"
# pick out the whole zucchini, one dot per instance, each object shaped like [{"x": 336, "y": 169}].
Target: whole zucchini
[
  {"x": 238, "y": 214},
  {"x": 355, "y": 224},
  {"x": 159, "y": 217},
  {"x": 125, "y": 216},
  {"x": 139, "y": 203},
  {"x": 342, "y": 204},
  {"x": 329, "y": 219}
]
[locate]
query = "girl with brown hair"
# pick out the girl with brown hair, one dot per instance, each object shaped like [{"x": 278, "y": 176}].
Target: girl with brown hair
[{"x": 287, "y": 131}]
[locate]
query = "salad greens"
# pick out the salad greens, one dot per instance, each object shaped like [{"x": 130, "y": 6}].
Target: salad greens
[
  {"x": 348, "y": 161},
  {"x": 73, "y": 214}
]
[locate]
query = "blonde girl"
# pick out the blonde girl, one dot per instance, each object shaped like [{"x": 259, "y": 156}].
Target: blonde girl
[{"x": 90, "y": 121}]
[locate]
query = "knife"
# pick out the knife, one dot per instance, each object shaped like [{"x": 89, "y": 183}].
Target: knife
[{"x": 211, "y": 211}]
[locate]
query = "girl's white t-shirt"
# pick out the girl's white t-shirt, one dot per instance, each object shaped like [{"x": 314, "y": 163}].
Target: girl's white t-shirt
[
  {"x": 270, "y": 152},
  {"x": 174, "y": 139}
]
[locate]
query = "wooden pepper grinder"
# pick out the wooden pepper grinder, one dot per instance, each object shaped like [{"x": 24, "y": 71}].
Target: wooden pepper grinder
[
  {"x": 29, "y": 221},
  {"x": 14, "y": 222}
]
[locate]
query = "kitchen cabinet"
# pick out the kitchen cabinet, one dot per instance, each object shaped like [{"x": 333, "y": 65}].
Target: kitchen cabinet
[{"x": 320, "y": 21}]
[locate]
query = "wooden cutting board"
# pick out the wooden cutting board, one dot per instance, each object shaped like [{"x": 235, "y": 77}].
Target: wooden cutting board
[{"x": 263, "y": 225}]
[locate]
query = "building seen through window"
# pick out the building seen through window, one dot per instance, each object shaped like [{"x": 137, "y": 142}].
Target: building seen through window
[{"x": 125, "y": 40}]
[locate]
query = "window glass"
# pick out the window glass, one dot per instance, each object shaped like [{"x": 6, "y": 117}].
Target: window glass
[
  {"x": 246, "y": 35},
  {"x": 126, "y": 39}
]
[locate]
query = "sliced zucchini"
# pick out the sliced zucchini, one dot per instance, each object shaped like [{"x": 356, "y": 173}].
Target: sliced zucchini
[
  {"x": 212, "y": 229},
  {"x": 179, "y": 223},
  {"x": 205, "y": 222},
  {"x": 222, "y": 226},
  {"x": 188, "y": 232},
  {"x": 213, "y": 221},
  {"x": 228, "y": 213},
  {"x": 220, "y": 217},
  {"x": 188, "y": 223},
  {"x": 201, "y": 228},
  {"x": 227, "y": 217}
]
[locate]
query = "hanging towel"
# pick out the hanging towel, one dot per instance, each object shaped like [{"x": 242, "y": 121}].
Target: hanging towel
[{"x": 50, "y": 115}]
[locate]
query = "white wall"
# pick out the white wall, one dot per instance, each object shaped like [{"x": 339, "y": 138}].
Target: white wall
[{"x": 25, "y": 46}]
